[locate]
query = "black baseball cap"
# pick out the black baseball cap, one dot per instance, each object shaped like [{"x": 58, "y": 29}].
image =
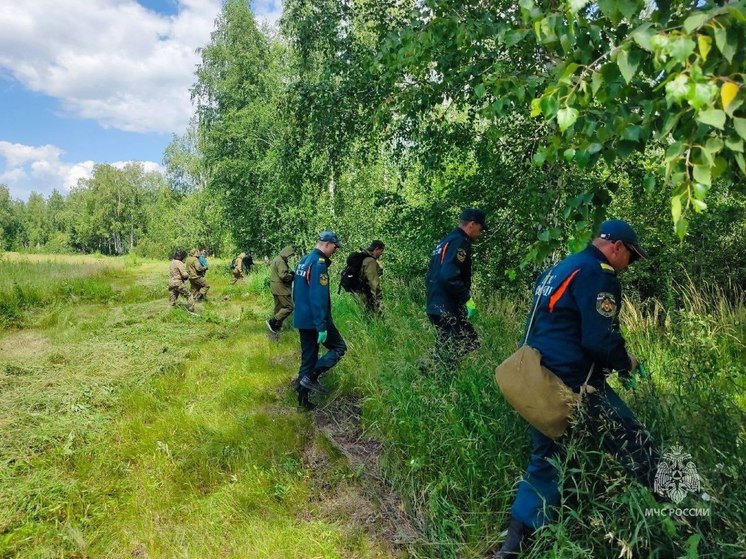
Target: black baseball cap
[
  {"x": 475, "y": 215},
  {"x": 619, "y": 230}
]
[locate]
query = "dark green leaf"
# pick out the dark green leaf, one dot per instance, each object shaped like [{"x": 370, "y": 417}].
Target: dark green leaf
[
  {"x": 674, "y": 151},
  {"x": 734, "y": 143},
  {"x": 628, "y": 8},
  {"x": 549, "y": 106},
  {"x": 582, "y": 158},
  {"x": 642, "y": 36},
  {"x": 628, "y": 62},
  {"x": 720, "y": 166},
  {"x": 632, "y": 133},
  {"x": 741, "y": 162},
  {"x": 609, "y": 9},
  {"x": 726, "y": 42}
]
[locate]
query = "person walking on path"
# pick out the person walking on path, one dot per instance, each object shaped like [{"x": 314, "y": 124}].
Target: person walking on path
[
  {"x": 280, "y": 285},
  {"x": 575, "y": 328},
  {"x": 177, "y": 276},
  {"x": 313, "y": 317}
]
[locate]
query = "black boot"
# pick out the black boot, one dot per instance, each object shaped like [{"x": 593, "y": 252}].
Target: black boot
[
  {"x": 304, "y": 403},
  {"x": 514, "y": 541},
  {"x": 307, "y": 382},
  {"x": 272, "y": 325}
]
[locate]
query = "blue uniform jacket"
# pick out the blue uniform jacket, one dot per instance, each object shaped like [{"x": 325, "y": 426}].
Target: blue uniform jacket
[
  {"x": 313, "y": 304},
  {"x": 577, "y": 319},
  {"x": 448, "y": 281}
]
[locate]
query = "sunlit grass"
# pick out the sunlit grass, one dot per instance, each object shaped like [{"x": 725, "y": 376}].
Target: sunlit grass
[{"x": 131, "y": 429}]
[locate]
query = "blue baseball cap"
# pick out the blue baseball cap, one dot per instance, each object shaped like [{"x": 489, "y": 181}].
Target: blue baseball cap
[
  {"x": 330, "y": 237},
  {"x": 619, "y": 230},
  {"x": 475, "y": 215}
]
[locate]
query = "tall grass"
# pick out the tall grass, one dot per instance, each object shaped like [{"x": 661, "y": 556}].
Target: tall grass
[
  {"x": 30, "y": 282},
  {"x": 455, "y": 450}
]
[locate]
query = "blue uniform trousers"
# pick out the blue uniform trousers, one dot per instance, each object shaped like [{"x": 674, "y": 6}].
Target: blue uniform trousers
[
  {"x": 310, "y": 364},
  {"x": 455, "y": 337},
  {"x": 614, "y": 428}
]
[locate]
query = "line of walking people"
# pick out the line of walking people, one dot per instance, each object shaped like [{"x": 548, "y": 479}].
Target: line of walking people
[{"x": 574, "y": 325}]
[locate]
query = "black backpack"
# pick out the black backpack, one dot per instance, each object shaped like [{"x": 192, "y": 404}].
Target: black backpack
[{"x": 350, "y": 279}]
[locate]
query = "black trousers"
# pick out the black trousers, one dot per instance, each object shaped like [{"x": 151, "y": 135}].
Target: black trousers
[
  {"x": 310, "y": 364},
  {"x": 454, "y": 338}
]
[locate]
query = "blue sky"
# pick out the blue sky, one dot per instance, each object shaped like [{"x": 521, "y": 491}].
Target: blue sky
[{"x": 103, "y": 81}]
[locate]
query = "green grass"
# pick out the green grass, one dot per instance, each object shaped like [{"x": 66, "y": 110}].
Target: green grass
[
  {"x": 455, "y": 450},
  {"x": 131, "y": 429}
]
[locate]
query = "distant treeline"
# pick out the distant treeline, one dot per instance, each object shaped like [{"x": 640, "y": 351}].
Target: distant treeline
[{"x": 116, "y": 211}]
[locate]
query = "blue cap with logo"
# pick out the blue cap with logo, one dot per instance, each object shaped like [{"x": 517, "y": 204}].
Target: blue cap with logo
[
  {"x": 619, "y": 230},
  {"x": 330, "y": 237},
  {"x": 475, "y": 215}
]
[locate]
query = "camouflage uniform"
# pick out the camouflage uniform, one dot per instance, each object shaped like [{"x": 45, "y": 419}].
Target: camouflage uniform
[
  {"x": 371, "y": 272},
  {"x": 238, "y": 268},
  {"x": 176, "y": 287},
  {"x": 280, "y": 283},
  {"x": 196, "y": 272}
]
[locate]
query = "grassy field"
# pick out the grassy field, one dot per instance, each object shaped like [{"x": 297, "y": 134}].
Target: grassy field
[
  {"x": 134, "y": 430},
  {"x": 130, "y": 429}
]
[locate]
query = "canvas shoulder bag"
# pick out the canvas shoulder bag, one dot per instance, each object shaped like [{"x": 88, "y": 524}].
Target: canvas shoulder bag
[{"x": 535, "y": 392}]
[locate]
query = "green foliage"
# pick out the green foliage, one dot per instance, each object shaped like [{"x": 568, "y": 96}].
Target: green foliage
[{"x": 454, "y": 449}]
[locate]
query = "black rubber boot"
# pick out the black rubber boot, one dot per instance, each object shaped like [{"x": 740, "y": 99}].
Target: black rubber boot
[
  {"x": 514, "y": 541},
  {"x": 304, "y": 403},
  {"x": 272, "y": 325}
]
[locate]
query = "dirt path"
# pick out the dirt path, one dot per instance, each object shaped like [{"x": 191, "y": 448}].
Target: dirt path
[{"x": 387, "y": 520}]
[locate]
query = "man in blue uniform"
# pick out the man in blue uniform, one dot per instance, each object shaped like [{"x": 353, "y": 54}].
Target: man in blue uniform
[
  {"x": 313, "y": 317},
  {"x": 576, "y": 330},
  {"x": 448, "y": 283}
]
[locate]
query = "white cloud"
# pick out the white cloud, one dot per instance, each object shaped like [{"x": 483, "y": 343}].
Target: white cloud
[
  {"x": 113, "y": 61},
  {"x": 40, "y": 169},
  {"x": 267, "y": 11}
]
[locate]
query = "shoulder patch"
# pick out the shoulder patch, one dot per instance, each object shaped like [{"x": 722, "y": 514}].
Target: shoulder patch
[
  {"x": 321, "y": 259},
  {"x": 607, "y": 268},
  {"x": 324, "y": 279},
  {"x": 461, "y": 255},
  {"x": 606, "y": 304}
]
